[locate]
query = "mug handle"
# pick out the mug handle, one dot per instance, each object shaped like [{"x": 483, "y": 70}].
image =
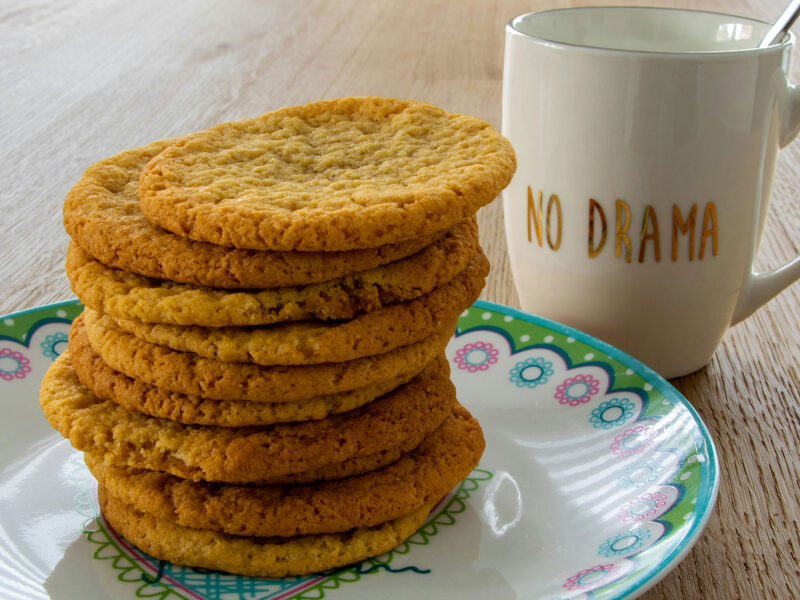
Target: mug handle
[{"x": 759, "y": 288}]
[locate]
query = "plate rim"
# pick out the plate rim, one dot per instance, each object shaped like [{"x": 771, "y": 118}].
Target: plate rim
[
  {"x": 32, "y": 309},
  {"x": 652, "y": 576},
  {"x": 656, "y": 573}
]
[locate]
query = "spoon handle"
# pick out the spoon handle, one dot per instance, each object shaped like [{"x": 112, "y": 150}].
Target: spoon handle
[{"x": 782, "y": 25}]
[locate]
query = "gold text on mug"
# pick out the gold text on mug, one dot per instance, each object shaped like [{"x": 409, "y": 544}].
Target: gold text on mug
[{"x": 541, "y": 223}]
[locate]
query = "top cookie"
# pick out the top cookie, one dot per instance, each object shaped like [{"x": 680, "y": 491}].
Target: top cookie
[
  {"x": 327, "y": 176},
  {"x": 101, "y": 213}
]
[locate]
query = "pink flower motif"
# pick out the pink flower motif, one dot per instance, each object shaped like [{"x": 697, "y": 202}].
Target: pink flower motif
[
  {"x": 7, "y": 358},
  {"x": 590, "y": 577},
  {"x": 643, "y": 508},
  {"x": 577, "y": 390},
  {"x": 476, "y": 357},
  {"x": 632, "y": 441}
]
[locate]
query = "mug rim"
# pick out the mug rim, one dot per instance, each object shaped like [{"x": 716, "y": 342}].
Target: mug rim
[{"x": 787, "y": 41}]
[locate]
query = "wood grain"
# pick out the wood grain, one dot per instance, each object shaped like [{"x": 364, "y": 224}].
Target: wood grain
[{"x": 83, "y": 80}]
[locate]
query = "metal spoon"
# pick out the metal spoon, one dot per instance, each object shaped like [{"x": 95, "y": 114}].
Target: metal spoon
[{"x": 782, "y": 25}]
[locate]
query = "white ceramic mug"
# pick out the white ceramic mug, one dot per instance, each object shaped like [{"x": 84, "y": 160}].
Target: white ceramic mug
[{"x": 646, "y": 142}]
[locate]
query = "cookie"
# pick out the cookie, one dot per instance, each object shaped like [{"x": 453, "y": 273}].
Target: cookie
[
  {"x": 419, "y": 478},
  {"x": 101, "y": 213},
  {"x": 109, "y": 384},
  {"x": 128, "y": 295},
  {"x": 241, "y": 455},
  {"x": 331, "y": 175},
  {"x": 253, "y": 556},
  {"x": 191, "y": 374},
  {"x": 308, "y": 342},
  {"x": 348, "y": 468}
]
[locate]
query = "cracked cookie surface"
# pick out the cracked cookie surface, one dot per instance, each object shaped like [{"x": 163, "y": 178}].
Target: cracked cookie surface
[
  {"x": 132, "y": 296},
  {"x": 401, "y": 418},
  {"x": 309, "y": 342},
  {"x": 420, "y": 477},
  {"x": 130, "y": 393},
  {"x": 188, "y": 373},
  {"x": 330, "y": 175},
  {"x": 101, "y": 213},
  {"x": 254, "y": 556}
]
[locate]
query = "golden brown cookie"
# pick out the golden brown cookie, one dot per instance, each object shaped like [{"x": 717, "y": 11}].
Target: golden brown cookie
[
  {"x": 348, "y": 468},
  {"x": 240, "y": 455},
  {"x": 191, "y": 374},
  {"x": 109, "y": 384},
  {"x": 101, "y": 213},
  {"x": 309, "y": 342},
  {"x": 419, "y": 478},
  {"x": 331, "y": 175},
  {"x": 255, "y": 556},
  {"x": 132, "y": 296}
]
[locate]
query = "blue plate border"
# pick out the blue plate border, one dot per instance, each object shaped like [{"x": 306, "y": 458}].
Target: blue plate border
[{"x": 709, "y": 489}]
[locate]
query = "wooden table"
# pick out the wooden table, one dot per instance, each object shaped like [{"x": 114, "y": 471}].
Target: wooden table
[{"x": 80, "y": 81}]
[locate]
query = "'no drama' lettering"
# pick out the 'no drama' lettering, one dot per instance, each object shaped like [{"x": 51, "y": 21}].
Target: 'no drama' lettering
[{"x": 541, "y": 224}]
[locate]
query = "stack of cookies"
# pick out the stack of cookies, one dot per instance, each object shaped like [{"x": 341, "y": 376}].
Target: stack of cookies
[{"x": 258, "y": 381}]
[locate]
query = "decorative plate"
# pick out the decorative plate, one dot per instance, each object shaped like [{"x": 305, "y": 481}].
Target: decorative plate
[{"x": 597, "y": 479}]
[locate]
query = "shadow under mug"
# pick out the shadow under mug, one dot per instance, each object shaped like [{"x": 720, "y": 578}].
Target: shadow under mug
[{"x": 646, "y": 142}]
